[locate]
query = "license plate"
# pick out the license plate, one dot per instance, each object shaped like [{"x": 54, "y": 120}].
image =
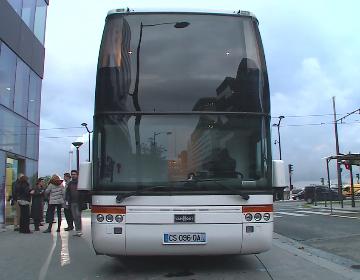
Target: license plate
[{"x": 184, "y": 238}]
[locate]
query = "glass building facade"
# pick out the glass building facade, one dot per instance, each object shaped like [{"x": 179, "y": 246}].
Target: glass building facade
[{"x": 22, "y": 52}]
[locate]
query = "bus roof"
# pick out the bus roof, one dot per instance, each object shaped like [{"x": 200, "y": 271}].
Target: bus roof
[{"x": 183, "y": 11}]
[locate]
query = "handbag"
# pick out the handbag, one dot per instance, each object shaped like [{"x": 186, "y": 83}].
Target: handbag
[
  {"x": 23, "y": 202},
  {"x": 83, "y": 206}
]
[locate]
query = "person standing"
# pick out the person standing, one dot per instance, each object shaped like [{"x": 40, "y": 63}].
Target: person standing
[
  {"x": 37, "y": 202},
  {"x": 23, "y": 199},
  {"x": 55, "y": 190},
  {"x": 15, "y": 204},
  {"x": 67, "y": 210},
  {"x": 75, "y": 202}
]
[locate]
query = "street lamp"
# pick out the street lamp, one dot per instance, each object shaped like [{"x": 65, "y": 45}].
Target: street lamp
[
  {"x": 278, "y": 128},
  {"x": 158, "y": 133},
  {"x": 77, "y": 146},
  {"x": 89, "y": 132}
]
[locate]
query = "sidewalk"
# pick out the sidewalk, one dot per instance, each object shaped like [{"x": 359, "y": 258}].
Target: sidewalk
[
  {"x": 321, "y": 204},
  {"x": 336, "y": 205}
]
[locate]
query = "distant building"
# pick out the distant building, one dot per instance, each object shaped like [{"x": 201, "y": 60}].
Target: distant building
[{"x": 22, "y": 52}]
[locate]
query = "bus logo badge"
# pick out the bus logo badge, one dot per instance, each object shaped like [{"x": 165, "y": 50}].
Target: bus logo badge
[{"x": 184, "y": 218}]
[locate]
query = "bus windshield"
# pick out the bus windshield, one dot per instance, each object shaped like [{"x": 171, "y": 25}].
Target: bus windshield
[{"x": 181, "y": 98}]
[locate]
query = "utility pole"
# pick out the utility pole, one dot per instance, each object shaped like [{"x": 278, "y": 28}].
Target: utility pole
[
  {"x": 338, "y": 169},
  {"x": 291, "y": 169},
  {"x": 352, "y": 186}
]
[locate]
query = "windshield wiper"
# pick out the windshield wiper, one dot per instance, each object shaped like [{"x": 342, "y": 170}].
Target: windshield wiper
[
  {"x": 236, "y": 191},
  {"x": 121, "y": 197}
]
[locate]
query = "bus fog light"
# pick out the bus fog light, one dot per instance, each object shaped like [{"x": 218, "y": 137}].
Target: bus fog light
[
  {"x": 119, "y": 218},
  {"x": 266, "y": 216},
  {"x": 248, "y": 217},
  {"x": 100, "y": 218},
  {"x": 109, "y": 218},
  {"x": 257, "y": 217}
]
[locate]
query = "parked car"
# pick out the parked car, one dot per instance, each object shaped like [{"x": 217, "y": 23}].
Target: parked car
[
  {"x": 320, "y": 193},
  {"x": 347, "y": 189},
  {"x": 298, "y": 194}
]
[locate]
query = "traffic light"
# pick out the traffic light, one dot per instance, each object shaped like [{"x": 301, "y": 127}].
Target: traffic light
[{"x": 291, "y": 169}]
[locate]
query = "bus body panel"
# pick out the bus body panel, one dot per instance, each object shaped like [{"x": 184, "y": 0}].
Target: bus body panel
[
  {"x": 258, "y": 241},
  {"x": 165, "y": 214},
  {"x": 104, "y": 241},
  {"x": 142, "y": 229},
  {"x": 148, "y": 239}
]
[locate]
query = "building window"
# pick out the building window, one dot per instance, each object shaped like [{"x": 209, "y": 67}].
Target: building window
[
  {"x": 16, "y": 4},
  {"x": 7, "y": 76},
  {"x": 31, "y": 171},
  {"x": 34, "y": 98},
  {"x": 22, "y": 88},
  {"x": 12, "y": 132},
  {"x": 28, "y": 13},
  {"x": 40, "y": 20},
  {"x": 32, "y": 141}
]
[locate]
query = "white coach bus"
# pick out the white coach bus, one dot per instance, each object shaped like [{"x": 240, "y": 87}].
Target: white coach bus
[{"x": 182, "y": 159}]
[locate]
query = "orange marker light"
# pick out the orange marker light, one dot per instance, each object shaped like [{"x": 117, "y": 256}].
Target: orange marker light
[
  {"x": 102, "y": 209},
  {"x": 258, "y": 208}
]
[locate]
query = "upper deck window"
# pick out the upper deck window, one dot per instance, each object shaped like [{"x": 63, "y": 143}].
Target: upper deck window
[{"x": 176, "y": 62}]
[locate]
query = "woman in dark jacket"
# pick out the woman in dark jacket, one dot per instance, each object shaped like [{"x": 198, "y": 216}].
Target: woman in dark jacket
[
  {"x": 37, "y": 203},
  {"x": 24, "y": 198}
]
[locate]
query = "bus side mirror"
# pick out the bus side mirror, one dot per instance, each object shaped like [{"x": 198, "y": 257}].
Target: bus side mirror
[
  {"x": 278, "y": 174},
  {"x": 84, "y": 180}
]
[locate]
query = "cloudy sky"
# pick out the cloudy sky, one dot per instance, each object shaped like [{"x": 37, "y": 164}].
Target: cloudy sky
[{"x": 312, "y": 53}]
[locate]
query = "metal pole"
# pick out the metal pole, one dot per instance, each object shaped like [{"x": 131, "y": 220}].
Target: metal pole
[
  {"x": 290, "y": 187},
  {"x": 77, "y": 159},
  {"x": 352, "y": 186},
  {"x": 337, "y": 153},
  {"x": 89, "y": 145},
  {"x": 279, "y": 140},
  {"x": 328, "y": 177}
]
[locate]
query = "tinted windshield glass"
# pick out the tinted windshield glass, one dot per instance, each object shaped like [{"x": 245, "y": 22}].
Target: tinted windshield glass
[
  {"x": 179, "y": 65},
  {"x": 181, "y": 62},
  {"x": 231, "y": 149}
]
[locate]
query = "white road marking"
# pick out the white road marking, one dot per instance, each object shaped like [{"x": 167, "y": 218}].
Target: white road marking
[
  {"x": 291, "y": 214},
  {"x": 276, "y": 216},
  {"x": 329, "y": 214},
  {"x": 64, "y": 254},
  {"x": 338, "y": 211},
  {"x": 45, "y": 267}
]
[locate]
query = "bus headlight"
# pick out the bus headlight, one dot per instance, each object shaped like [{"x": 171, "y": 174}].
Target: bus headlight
[
  {"x": 100, "y": 218},
  {"x": 119, "y": 218},
  {"x": 257, "y": 217},
  {"x": 109, "y": 218},
  {"x": 248, "y": 217},
  {"x": 266, "y": 216}
]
